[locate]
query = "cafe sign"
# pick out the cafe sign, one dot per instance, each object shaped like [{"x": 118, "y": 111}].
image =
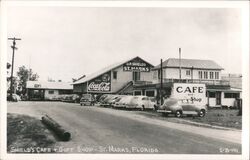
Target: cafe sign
[
  {"x": 100, "y": 84},
  {"x": 136, "y": 64},
  {"x": 189, "y": 93}
]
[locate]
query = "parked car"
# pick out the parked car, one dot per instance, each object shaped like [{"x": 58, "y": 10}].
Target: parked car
[
  {"x": 62, "y": 97},
  {"x": 141, "y": 102},
  {"x": 123, "y": 101},
  {"x": 14, "y": 97},
  {"x": 71, "y": 98},
  {"x": 102, "y": 97},
  {"x": 109, "y": 100},
  {"x": 75, "y": 98},
  {"x": 115, "y": 100},
  {"x": 87, "y": 99},
  {"x": 173, "y": 106}
]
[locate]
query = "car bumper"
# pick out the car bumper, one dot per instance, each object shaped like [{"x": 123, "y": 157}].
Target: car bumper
[
  {"x": 164, "y": 111},
  {"x": 119, "y": 106},
  {"x": 85, "y": 103}
]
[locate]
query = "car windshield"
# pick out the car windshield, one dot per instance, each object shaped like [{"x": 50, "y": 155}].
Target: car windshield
[
  {"x": 86, "y": 96},
  {"x": 170, "y": 102}
]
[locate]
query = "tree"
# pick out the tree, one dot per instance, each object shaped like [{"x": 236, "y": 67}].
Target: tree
[{"x": 24, "y": 75}]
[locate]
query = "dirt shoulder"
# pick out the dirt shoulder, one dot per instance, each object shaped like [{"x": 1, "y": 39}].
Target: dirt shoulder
[{"x": 27, "y": 135}]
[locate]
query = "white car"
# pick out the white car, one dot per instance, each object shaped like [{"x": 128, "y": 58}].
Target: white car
[
  {"x": 141, "y": 102},
  {"x": 123, "y": 102}
]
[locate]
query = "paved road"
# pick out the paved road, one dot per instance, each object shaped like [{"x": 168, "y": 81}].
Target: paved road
[{"x": 106, "y": 130}]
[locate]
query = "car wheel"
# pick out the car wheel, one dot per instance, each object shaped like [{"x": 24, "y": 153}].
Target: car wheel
[
  {"x": 143, "y": 108},
  {"x": 202, "y": 113},
  {"x": 178, "y": 114},
  {"x": 81, "y": 104}
]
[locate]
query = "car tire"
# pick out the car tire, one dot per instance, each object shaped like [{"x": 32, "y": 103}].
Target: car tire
[
  {"x": 202, "y": 113},
  {"x": 81, "y": 104},
  {"x": 178, "y": 114},
  {"x": 143, "y": 108}
]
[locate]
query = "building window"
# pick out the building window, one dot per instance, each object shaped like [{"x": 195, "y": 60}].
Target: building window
[
  {"x": 231, "y": 95},
  {"x": 188, "y": 72},
  {"x": 155, "y": 74},
  {"x": 211, "y": 75},
  {"x": 164, "y": 73},
  {"x": 159, "y": 74},
  {"x": 114, "y": 74},
  {"x": 150, "y": 93},
  {"x": 211, "y": 94},
  {"x": 137, "y": 93},
  {"x": 205, "y": 75},
  {"x": 51, "y": 91},
  {"x": 200, "y": 74},
  {"x": 136, "y": 76},
  {"x": 216, "y": 75}
]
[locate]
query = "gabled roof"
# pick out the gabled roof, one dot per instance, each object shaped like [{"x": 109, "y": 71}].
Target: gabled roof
[
  {"x": 48, "y": 85},
  {"x": 189, "y": 63},
  {"x": 104, "y": 70}
]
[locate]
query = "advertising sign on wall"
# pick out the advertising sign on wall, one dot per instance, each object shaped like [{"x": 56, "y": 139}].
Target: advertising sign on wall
[
  {"x": 189, "y": 93},
  {"x": 100, "y": 84},
  {"x": 136, "y": 65}
]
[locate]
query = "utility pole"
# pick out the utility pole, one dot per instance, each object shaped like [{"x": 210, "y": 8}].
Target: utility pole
[
  {"x": 180, "y": 64},
  {"x": 161, "y": 87},
  {"x": 12, "y": 65},
  {"x": 192, "y": 73}
]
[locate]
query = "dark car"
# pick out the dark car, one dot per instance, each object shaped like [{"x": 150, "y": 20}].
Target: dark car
[
  {"x": 14, "y": 97},
  {"x": 173, "y": 106},
  {"x": 74, "y": 98},
  {"x": 87, "y": 100}
]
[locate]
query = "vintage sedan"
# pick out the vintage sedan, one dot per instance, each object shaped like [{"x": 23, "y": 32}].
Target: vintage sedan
[
  {"x": 14, "y": 97},
  {"x": 87, "y": 100},
  {"x": 109, "y": 100},
  {"x": 141, "y": 102},
  {"x": 123, "y": 101},
  {"x": 174, "y": 106},
  {"x": 102, "y": 97}
]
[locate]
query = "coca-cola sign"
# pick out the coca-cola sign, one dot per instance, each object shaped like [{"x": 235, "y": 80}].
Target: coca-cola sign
[{"x": 100, "y": 84}]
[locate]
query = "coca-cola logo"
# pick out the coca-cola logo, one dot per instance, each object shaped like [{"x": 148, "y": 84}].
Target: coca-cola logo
[{"x": 103, "y": 86}]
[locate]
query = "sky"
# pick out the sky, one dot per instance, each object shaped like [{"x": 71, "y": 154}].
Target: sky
[{"x": 62, "y": 43}]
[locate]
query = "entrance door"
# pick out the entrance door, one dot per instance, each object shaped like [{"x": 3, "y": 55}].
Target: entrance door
[
  {"x": 136, "y": 76},
  {"x": 218, "y": 98}
]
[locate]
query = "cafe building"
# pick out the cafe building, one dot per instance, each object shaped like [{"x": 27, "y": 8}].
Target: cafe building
[
  {"x": 117, "y": 78},
  {"x": 219, "y": 91}
]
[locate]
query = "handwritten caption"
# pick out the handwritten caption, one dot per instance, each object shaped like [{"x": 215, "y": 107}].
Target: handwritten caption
[{"x": 84, "y": 149}]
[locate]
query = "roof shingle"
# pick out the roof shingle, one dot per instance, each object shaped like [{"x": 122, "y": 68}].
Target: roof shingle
[
  {"x": 189, "y": 63},
  {"x": 49, "y": 85}
]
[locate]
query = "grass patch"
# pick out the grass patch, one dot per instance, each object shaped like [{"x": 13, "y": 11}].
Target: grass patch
[
  {"x": 221, "y": 117},
  {"x": 27, "y": 134},
  {"x": 216, "y": 117}
]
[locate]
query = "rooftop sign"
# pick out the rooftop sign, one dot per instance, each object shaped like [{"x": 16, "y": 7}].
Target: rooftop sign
[{"x": 136, "y": 65}]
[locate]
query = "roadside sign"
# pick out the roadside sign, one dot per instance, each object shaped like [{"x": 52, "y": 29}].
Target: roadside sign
[{"x": 189, "y": 93}]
